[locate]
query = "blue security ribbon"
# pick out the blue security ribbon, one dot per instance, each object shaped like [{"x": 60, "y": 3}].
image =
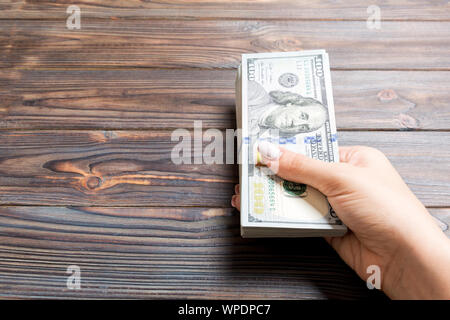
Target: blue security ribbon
[
  {"x": 281, "y": 140},
  {"x": 334, "y": 137}
]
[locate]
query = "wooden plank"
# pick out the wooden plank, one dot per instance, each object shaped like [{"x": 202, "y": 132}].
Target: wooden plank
[
  {"x": 155, "y": 98},
  {"x": 220, "y": 43},
  {"x": 134, "y": 168},
  {"x": 248, "y": 9},
  {"x": 162, "y": 253}
]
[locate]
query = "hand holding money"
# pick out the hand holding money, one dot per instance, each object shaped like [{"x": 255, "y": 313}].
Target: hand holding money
[
  {"x": 390, "y": 228},
  {"x": 285, "y": 109}
]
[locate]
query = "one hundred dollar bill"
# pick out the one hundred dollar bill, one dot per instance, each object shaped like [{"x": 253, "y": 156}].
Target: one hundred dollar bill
[{"x": 286, "y": 99}]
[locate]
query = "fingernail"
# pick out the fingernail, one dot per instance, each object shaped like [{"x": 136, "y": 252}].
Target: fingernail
[{"x": 269, "y": 150}]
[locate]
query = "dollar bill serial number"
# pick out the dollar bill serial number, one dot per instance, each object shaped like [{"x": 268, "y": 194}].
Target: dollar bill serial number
[{"x": 225, "y": 309}]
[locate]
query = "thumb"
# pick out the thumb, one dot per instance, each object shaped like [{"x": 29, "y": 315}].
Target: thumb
[{"x": 298, "y": 168}]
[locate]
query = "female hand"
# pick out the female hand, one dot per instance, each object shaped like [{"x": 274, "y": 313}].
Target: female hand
[{"x": 389, "y": 226}]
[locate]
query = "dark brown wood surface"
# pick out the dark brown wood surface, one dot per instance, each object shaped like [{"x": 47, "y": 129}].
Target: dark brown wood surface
[
  {"x": 86, "y": 118},
  {"x": 134, "y": 168},
  {"x": 231, "y": 9},
  {"x": 164, "y": 253},
  {"x": 219, "y": 43},
  {"x": 167, "y": 99}
]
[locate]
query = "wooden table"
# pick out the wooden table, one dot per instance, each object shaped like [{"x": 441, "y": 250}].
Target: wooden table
[{"x": 86, "y": 118}]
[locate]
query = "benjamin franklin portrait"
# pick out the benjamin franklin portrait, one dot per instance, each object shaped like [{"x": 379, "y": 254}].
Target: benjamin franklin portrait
[{"x": 288, "y": 112}]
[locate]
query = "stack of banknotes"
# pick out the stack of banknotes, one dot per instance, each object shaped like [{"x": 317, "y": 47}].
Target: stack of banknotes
[{"x": 285, "y": 99}]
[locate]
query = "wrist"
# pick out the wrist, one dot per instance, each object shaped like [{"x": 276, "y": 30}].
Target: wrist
[{"x": 421, "y": 268}]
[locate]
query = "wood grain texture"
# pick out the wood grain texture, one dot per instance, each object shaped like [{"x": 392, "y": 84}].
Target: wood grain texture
[
  {"x": 157, "y": 98},
  {"x": 220, "y": 43},
  {"x": 162, "y": 253},
  {"x": 126, "y": 168},
  {"x": 75, "y": 191},
  {"x": 231, "y": 9}
]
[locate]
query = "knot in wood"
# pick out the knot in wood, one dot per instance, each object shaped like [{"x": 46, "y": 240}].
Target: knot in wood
[
  {"x": 93, "y": 182},
  {"x": 387, "y": 95}
]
